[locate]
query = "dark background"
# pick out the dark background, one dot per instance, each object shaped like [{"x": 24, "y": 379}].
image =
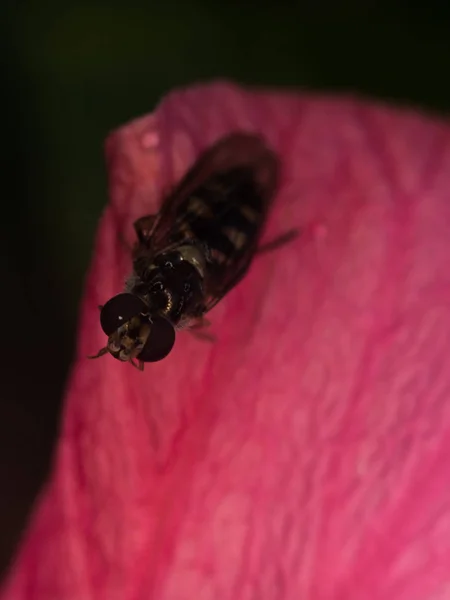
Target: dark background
[{"x": 74, "y": 70}]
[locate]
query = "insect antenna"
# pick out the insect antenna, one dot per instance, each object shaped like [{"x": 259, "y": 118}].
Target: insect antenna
[{"x": 101, "y": 352}]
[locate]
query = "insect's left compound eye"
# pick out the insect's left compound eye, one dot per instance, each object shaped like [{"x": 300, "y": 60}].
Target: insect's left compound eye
[
  {"x": 160, "y": 341},
  {"x": 119, "y": 310}
]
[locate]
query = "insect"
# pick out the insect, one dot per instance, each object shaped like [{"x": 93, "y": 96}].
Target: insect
[{"x": 195, "y": 250}]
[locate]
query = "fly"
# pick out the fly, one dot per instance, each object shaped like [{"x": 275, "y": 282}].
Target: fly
[{"x": 196, "y": 249}]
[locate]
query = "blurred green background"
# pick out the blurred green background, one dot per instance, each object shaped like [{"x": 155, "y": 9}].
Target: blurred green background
[{"x": 73, "y": 71}]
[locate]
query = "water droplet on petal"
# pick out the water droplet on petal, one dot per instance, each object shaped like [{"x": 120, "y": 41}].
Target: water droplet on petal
[{"x": 150, "y": 140}]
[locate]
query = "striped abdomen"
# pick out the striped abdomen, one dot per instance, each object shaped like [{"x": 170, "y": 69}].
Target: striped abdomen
[{"x": 225, "y": 215}]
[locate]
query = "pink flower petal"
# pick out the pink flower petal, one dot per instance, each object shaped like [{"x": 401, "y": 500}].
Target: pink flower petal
[{"x": 306, "y": 453}]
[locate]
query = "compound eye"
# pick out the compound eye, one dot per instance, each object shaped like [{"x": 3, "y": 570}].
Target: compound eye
[
  {"x": 119, "y": 310},
  {"x": 160, "y": 341}
]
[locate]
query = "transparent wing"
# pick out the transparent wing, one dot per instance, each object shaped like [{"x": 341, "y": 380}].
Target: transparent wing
[{"x": 244, "y": 153}]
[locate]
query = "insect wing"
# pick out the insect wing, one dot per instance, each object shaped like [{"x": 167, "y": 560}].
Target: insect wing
[
  {"x": 238, "y": 151},
  {"x": 231, "y": 151}
]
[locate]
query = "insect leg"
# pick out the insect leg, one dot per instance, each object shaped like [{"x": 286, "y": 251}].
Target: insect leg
[
  {"x": 139, "y": 366},
  {"x": 203, "y": 335},
  {"x": 124, "y": 243},
  {"x": 199, "y": 323},
  {"x": 279, "y": 241},
  {"x": 196, "y": 328},
  {"x": 144, "y": 227}
]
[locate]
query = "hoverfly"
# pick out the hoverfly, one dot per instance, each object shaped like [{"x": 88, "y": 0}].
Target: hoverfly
[{"x": 194, "y": 250}]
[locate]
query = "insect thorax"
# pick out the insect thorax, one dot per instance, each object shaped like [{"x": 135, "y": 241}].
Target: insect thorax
[{"x": 172, "y": 285}]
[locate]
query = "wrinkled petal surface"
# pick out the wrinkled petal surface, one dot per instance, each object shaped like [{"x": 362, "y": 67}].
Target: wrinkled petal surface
[{"x": 306, "y": 454}]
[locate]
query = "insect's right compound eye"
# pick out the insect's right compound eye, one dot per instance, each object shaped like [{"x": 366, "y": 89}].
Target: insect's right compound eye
[
  {"x": 119, "y": 310},
  {"x": 160, "y": 341}
]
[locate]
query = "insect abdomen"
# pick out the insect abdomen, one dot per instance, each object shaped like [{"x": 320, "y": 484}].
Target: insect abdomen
[{"x": 225, "y": 215}]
